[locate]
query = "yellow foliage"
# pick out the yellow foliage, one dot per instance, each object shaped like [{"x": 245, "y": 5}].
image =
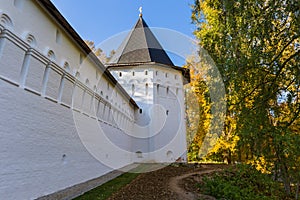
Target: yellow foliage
[{"x": 260, "y": 164}]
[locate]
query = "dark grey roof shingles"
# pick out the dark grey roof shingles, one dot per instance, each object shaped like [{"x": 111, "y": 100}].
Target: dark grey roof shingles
[{"x": 141, "y": 46}]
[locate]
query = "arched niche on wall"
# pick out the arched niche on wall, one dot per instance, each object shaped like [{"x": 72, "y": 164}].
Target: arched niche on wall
[
  {"x": 6, "y": 21},
  {"x": 30, "y": 39},
  {"x": 51, "y": 55},
  {"x": 66, "y": 66},
  {"x": 170, "y": 155}
]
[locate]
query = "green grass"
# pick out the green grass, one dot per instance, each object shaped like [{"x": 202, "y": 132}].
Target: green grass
[{"x": 107, "y": 189}]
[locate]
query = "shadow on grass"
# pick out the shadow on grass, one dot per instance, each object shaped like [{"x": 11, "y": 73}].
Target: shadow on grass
[{"x": 107, "y": 189}]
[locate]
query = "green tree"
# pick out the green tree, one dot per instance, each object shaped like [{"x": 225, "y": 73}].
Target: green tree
[{"x": 256, "y": 45}]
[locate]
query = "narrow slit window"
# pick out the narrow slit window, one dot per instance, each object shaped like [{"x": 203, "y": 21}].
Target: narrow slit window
[
  {"x": 147, "y": 89},
  {"x": 80, "y": 59},
  {"x": 132, "y": 89},
  {"x": 58, "y": 37}
]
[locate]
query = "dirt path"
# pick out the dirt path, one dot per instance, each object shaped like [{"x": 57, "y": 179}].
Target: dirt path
[
  {"x": 177, "y": 185},
  {"x": 169, "y": 183}
]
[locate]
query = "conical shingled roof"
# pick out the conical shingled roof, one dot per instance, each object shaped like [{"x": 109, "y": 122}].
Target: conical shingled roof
[{"x": 141, "y": 46}]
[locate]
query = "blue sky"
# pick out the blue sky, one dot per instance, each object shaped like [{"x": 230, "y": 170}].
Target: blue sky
[{"x": 98, "y": 20}]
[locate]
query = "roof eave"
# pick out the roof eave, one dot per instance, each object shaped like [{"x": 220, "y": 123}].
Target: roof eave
[{"x": 185, "y": 71}]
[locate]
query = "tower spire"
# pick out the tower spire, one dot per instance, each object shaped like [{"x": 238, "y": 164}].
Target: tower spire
[{"x": 141, "y": 46}]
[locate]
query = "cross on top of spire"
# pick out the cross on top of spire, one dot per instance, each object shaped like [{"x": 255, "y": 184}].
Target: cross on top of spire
[{"x": 141, "y": 11}]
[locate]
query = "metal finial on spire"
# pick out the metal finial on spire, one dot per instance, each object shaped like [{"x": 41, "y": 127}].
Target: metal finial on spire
[{"x": 141, "y": 11}]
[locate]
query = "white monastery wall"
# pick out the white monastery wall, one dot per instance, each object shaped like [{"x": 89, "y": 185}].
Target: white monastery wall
[
  {"x": 62, "y": 113},
  {"x": 53, "y": 101}
]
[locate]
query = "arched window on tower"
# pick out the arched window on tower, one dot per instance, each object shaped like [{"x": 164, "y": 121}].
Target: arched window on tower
[
  {"x": 157, "y": 87},
  {"x": 146, "y": 72},
  {"x": 168, "y": 90},
  {"x": 120, "y": 74},
  {"x": 133, "y": 73}
]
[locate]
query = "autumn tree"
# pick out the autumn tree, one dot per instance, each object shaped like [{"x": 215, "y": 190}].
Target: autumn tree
[
  {"x": 256, "y": 45},
  {"x": 99, "y": 52},
  {"x": 197, "y": 111}
]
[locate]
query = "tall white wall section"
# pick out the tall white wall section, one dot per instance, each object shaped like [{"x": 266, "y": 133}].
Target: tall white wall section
[
  {"x": 53, "y": 101},
  {"x": 160, "y": 130},
  {"x": 65, "y": 119}
]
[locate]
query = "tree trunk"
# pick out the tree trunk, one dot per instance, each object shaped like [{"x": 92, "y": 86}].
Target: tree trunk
[
  {"x": 229, "y": 157},
  {"x": 297, "y": 191},
  {"x": 286, "y": 180}
]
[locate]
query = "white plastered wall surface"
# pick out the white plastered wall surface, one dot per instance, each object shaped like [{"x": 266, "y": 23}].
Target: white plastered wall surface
[
  {"x": 58, "y": 105},
  {"x": 44, "y": 80}
]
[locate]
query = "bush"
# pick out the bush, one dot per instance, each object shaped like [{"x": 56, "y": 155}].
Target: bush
[{"x": 241, "y": 182}]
